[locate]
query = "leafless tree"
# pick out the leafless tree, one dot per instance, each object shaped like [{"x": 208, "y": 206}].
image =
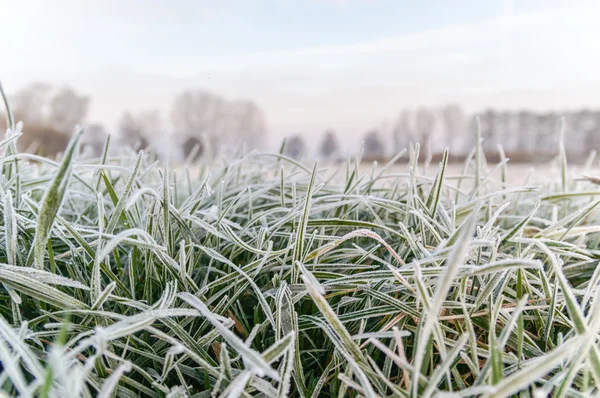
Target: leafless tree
[
  {"x": 151, "y": 123},
  {"x": 511, "y": 143},
  {"x": 582, "y": 128},
  {"x": 547, "y": 135},
  {"x": 503, "y": 120},
  {"x": 49, "y": 116},
  {"x": 132, "y": 133},
  {"x": 374, "y": 148},
  {"x": 425, "y": 124},
  {"x": 455, "y": 125},
  {"x": 200, "y": 112},
  {"x": 193, "y": 148},
  {"x": 249, "y": 123},
  {"x": 403, "y": 132},
  {"x": 330, "y": 146},
  {"x": 593, "y": 134},
  {"x": 489, "y": 133},
  {"x": 141, "y": 130},
  {"x": 93, "y": 139},
  {"x": 42, "y": 140},
  {"x": 528, "y": 128},
  {"x": 66, "y": 109},
  {"x": 196, "y": 112},
  {"x": 43, "y": 105},
  {"x": 30, "y": 103},
  {"x": 295, "y": 146}
]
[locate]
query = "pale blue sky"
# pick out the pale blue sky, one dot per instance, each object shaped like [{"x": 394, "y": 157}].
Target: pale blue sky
[
  {"x": 310, "y": 64},
  {"x": 184, "y": 35}
]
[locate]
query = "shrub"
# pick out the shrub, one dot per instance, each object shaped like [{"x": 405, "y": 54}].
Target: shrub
[{"x": 43, "y": 140}]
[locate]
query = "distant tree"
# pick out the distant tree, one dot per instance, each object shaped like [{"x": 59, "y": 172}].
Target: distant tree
[
  {"x": 330, "y": 146},
  {"x": 374, "y": 148},
  {"x": 402, "y": 131},
  {"x": 193, "y": 148},
  {"x": 248, "y": 123},
  {"x": 511, "y": 143},
  {"x": 593, "y": 134},
  {"x": 49, "y": 116},
  {"x": 131, "y": 132},
  {"x": 584, "y": 120},
  {"x": 67, "y": 109},
  {"x": 455, "y": 124},
  {"x": 151, "y": 124},
  {"x": 489, "y": 133},
  {"x": 41, "y": 104},
  {"x": 528, "y": 129},
  {"x": 141, "y": 130},
  {"x": 43, "y": 140},
  {"x": 295, "y": 146},
  {"x": 425, "y": 125},
  {"x": 196, "y": 112},
  {"x": 503, "y": 129},
  {"x": 584, "y": 127},
  {"x": 93, "y": 139},
  {"x": 30, "y": 103},
  {"x": 200, "y": 112},
  {"x": 547, "y": 133}
]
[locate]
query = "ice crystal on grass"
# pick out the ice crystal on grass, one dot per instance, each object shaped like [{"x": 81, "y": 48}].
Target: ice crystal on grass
[{"x": 120, "y": 278}]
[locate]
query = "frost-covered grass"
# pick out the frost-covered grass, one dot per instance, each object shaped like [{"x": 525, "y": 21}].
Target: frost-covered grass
[{"x": 122, "y": 277}]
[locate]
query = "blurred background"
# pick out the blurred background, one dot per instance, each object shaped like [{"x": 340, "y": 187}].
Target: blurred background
[{"x": 191, "y": 77}]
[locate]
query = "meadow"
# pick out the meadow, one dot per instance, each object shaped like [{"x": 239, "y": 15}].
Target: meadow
[{"x": 262, "y": 276}]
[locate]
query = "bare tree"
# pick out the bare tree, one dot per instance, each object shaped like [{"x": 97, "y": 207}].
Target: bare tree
[
  {"x": 193, "y": 148},
  {"x": 455, "y": 124},
  {"x": 200, "y": 112},
  {"x": 593, "y": 134},
  {"x": 49, "y": 116},
  {"x": 249, "y": 123},
  {"x": 582, "y": 131},
  {"x": 511, "y": 143},
  {"x": 196, "y": 112},
  {"x": 131, "y": 132},
  {"x": 43, "y": 140},
  {"x": 151, "y": 124},
  {"x": 66, "y": 109},
  {"x": 547, "y": 135},
  {"x": 402, "y": 131},
  {"x": 425, "y": 124},
  {"x": 141, "y": 130},
  {"x": 374, "y": 148},
  {"x": 30, "y": 103},
  {"x": 489, "y": 133},
  {"x": 503, "y": 120},
  {"x": 40, "y": 104},
  {"x": 93, "y": 139},
  {"x": 295, "y": 146},
  {"x": 330, "y": 146},
  {"x": 528, "y": 128}
]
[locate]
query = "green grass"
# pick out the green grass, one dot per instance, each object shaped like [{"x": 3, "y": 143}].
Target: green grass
[{"x": 120, "y": 276}]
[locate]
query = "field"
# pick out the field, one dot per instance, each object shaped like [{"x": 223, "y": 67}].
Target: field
[{"x": 265, "y": 277}]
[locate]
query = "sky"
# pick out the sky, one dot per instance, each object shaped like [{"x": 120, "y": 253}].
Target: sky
[{"x": 309, "y": 64}]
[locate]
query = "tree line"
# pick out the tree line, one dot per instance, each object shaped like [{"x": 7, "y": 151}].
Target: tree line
[
  {"x": 199, "y": 121},
  {"x": 203, "y": 122},
  {"x": 524, "y": 136}
]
